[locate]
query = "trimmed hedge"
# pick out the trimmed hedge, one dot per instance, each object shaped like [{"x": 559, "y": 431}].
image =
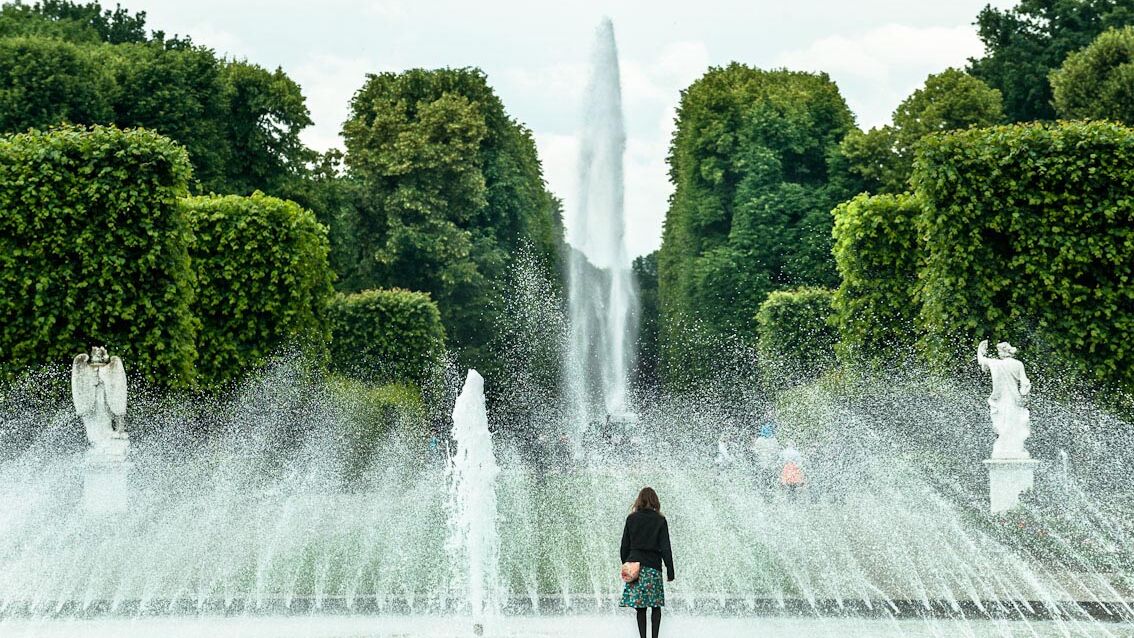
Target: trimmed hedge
[
  {"x": 1029, "y": 234},
  {"x": 263, "y": 281},
  {"x": 877, "y": 253},
  {"x": 385, "y": 336},
  {"x": 93, "y": 251},
  {"x": 794, "y": 332},
  {"x": 375, "y": 414}
]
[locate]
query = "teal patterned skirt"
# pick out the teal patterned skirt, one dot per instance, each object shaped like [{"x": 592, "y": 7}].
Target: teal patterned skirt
[{"x": 647, "y": 591}]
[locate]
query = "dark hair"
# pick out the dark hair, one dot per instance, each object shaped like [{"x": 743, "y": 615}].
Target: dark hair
[{"x": 647, "y": 500}]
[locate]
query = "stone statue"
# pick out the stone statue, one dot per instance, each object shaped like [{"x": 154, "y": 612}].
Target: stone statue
[
  {"x": 98, "y": 388},
  {"x": 1007, "y": 403}
]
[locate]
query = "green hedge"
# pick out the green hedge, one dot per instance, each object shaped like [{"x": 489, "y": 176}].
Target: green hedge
[
  {"x": 263, "y": 281},
  {"x": 93, "y": 251},
  {"x": 375, "y": 414},
  {"x": 794, "y": 332},
  {"x": 1029, "y": 234},
  {"x": 877, "y": 252},
  {"x": 384, "y": 336}
]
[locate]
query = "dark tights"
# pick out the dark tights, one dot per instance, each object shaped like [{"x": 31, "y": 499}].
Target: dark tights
[{"x": 655, "y": 620}]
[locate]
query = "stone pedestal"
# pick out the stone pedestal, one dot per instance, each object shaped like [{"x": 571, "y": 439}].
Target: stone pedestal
[
  {"x": 1007, "y": 480},
  {"x": 106, "y": 479}
]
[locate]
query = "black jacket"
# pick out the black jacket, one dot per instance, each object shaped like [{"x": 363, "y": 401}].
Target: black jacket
[{"x": 645, "y": 539}]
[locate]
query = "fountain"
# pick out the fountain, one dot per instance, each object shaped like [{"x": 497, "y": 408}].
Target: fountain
[
  {"x": 289, "y": 508},
  {"x": 260, "y": 519},
  {"x": 474, "y": 470},
  {"x": 601, "y": 294}
]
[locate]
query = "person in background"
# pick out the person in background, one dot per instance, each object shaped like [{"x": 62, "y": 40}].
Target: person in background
[
  {"x": 725, "y": 457},
  {"x": 645, "y": 541},
  {"x": 766, "y": 451},
  {"x": 791, "y": 474},
  {"x": 434, "y": 452}
]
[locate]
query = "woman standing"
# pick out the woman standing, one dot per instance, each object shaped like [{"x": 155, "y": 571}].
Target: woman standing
[{"x": 645, "y": 541}]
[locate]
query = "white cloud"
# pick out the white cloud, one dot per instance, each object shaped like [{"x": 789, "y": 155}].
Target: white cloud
[
  {"x": 878, "y": 68},
  {"x": 225, "y": 43},
  {"x": 329, "y": 82}
]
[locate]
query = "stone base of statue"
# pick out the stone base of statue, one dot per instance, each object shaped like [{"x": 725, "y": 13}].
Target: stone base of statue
[
  {"x": 1007, "y": 480},
  {"x": 106, "y": 478}
]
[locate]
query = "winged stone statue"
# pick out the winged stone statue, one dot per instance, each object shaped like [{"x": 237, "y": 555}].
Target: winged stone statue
[{"x": 98, "y": 388}]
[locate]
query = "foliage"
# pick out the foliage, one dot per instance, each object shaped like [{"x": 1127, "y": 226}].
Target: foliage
[
  {"x": 751, "y": 209},
  {"x": 1029, "y": 237},
  {"x": 451, "y": 189},
  {"x": 46, "y": 82},
  {"x": 266, "y": 112},
  {"x": 335, "y": 199},
  {"x": 263, "y": 281},
  {"x": 645, "y": 273},
  {"x": 1025, "y": 43},
  {"x": 385, "y": 336},
  {"x": 877, "y": 253},
  {"x": 74, "y": 22},
  {"x": 882, "y": 158},
  {"x": 373, "y": 414},
  {"x": 93, "y": 250},
  {"x": 794, "y": 332},
  {"x": 1098, "y": 82},
  {"x": 239, "y": 122}
]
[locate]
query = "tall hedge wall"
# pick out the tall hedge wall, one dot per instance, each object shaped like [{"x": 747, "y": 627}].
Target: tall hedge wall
[
  {"x": 93, "y": 251},
  {"x": 1029, "y": 235},
  {"x": 384, "y": 336},
  {"x": 794, "y": 332},
  {"x": 263, "y": 281},
  {"x": 877, "y": 254}
]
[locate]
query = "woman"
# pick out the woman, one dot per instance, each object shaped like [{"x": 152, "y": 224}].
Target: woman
[{"x": 645, "y": 540}]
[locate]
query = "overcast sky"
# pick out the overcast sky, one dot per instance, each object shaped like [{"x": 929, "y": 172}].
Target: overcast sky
[{"x": 536, "y": 53}]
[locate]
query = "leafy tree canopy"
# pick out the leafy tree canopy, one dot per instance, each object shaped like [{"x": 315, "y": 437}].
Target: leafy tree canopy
[
  {"x": 1098, "y": 82},
  {"x": 751, "y": 207},
  {"x": 450, "y": 188},
  {"x": 881, "y": 159},
  {"x": 1025, "y": 43}
]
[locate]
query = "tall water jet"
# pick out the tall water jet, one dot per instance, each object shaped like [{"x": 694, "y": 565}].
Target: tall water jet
[
  {"x": 474, "y": 470},
  {"x": 601, "y": 294}
]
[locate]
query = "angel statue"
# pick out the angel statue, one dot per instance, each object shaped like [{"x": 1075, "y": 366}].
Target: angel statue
[
  {"x": 98, "y": 388},
  {"x": 1006, "y": 404}
]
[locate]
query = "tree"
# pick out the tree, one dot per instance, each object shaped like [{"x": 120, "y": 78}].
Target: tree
[
  {"x": 751, "y": 209},
  {"x": 181, "y": 94},
  {"x": 451, "y": 189},
  {"x": 94, "y": 250},
  {"x": 46, "y": 82},
  {"x": 266, "y": 112},
  {"x": 74, "y": 22},
  {"x": 1025, "y": 43},
  {"x": 1098, "y": 81},
  {"x": 645, "y": 271},
  {"x": 881, "y": 159}
]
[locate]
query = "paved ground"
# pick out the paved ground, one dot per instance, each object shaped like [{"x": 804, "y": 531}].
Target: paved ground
[{"x": 609, "y": 626}]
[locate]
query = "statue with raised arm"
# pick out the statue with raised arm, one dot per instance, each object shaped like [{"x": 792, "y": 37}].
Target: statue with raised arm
[
  {"x": 98, "y": 388},
  {"x": 1007, "y": 403}
]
